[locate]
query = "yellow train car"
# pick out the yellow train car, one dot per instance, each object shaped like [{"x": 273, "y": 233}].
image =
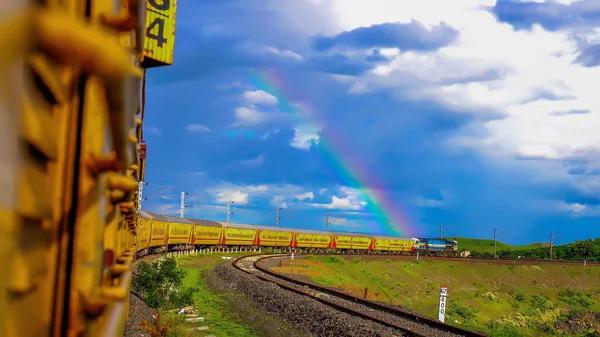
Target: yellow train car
[
  {"x": 312, "y": 239},
  {"x": 206, "y": 233},
  {"x": 393, "y": 244},
  {"x": 158, "y": 231},
  {"x": 179, "y": 231},
  {"x": 275, "y": 236},
  {"x": 143, "y": 231},
  {"x": 239, "y": 235},
  {"x": 352, "y": 241}
]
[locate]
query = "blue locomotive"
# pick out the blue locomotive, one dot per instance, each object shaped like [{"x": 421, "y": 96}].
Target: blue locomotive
[{"x": 438, "y": 247}]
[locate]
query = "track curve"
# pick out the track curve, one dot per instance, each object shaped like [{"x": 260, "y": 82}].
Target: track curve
[{"x": 409, "y": 324}]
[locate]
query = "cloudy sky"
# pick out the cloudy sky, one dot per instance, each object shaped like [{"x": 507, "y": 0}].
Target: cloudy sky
[{"x": 475, "y": 114}]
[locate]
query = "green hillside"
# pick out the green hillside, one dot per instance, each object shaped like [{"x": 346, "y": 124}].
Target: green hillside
[{"x": 487, "y": 246}]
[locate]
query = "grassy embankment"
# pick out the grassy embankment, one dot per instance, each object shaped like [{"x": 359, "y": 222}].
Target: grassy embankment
[
  {"x": 487, "y": 246},
  {"x": 215, "y": 307},
  {"x": 502, "y": 300}
]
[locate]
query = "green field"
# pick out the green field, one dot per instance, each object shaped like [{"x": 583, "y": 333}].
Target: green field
[
  {"x": 487, "y": 246},
  {"x": 502, "y": 300},
  {"x": 214, "y": 306}
]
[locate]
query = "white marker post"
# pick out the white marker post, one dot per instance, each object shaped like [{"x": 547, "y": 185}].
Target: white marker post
[{"x": 442, "y": 311}]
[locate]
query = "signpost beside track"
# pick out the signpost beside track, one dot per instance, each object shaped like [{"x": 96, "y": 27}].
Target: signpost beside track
[{"x": 442, "y": 310}]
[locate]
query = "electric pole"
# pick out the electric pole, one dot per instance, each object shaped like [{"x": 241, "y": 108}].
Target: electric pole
[
  {"x": 327, "y": 222},
  {"x": 182, "y": 207},
  {"x": 495, "y": 240},
  {"x": 389, "y": 226},
  {"x": 551, "y": 243},
  {"x": 441, "y": 231},
  {"x": 277, "y": 218},
  {"x": 229, "y": 212},
  {"x": 140, "y": 190}
]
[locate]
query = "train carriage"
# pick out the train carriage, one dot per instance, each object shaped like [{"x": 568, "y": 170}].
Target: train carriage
[
  {"x": 144, "y": 228},
  {"x": 352, "y": 241},
  {"x": 158, "y": 231},
  {"x": 275, "y": 236},
  {"x": 239, "y": 234},
  {"x": 405, "y": 245},
  {"x": 312, "y": 239},
  {"x": 206, "y": 233},
  {"x": 179, "y": 232}
]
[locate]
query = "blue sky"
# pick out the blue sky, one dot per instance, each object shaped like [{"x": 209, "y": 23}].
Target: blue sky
[{"x": 475, "y": 114}]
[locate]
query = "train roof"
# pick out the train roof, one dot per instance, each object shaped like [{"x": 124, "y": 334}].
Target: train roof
[
  {"x": 383, "y": 237},
  {"x": 169, "y": 218},
  {"x": 310, "y": 231},
  {"x": 358, "y": 235},
  {"x": 145, "y": 215},
  {"x": 203, "y": 222},
  {"x": 237, "y": 225},
  {"x": 276, "y": 229}
]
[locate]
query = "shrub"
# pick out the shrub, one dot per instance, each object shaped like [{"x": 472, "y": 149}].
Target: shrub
[
  {"x": 573, "y": 297},
  {"x": 155, "y": 282},
  {"x": 465, "y": 312},
  {"x": 502, "y": 329}
]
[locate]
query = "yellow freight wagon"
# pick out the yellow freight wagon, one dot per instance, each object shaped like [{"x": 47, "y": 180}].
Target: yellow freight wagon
[
  {"x": 342, "y": 241},
  {"x": 180, "y": 231},
  {"x": 361, "y": 241},
  {"x": 401, "y": 244},
  {"x": 158, "y": 234},
  {"x": 144, "y": 227},
  {"x": 239, "y": 234},
  {"x": 206, "y": 232},
  {"x": 275, "y": 237},
  {"x": 312, "y": 239}
]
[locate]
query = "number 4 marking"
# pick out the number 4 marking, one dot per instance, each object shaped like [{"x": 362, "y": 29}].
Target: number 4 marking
[{"x": 160, "y": 31}]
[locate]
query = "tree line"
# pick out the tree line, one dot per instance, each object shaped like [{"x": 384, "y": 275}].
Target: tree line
[{"x": 577, "y": 251}]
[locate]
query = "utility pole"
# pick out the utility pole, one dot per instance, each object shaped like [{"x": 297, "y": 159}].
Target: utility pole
[
  {"x": 495, "y": 240},
  {"x": 182, "y": 206},
  {"x": 389, "y": 226},
  {"x": 441, "y": 231},
  {"x": 551, "y": 243},
  {"x": 277, "y": 218},
  {"x": 327, "y": 222},
  {"x": 229, "y": 212},
  {"x": 140, "y": 190}
]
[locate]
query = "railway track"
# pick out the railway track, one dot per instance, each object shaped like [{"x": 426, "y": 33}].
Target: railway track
[{"x": 406, "y": 323}]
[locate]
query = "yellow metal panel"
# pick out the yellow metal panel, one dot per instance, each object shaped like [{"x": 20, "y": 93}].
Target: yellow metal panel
[
  {"x": 306, "y": 240},
  {"x": 275, "y": 238},
  {"x": 401, "y": 245},
  {"x": 382, "y": 244},
  {"x": 179, "y": 234},
  {"x": 157, "y": 235},
  {"x": 360, "y": 242},
  {"x": 159, "y": 41},
  {"x": 343, "y": 242},
  {"x": 240, "y": 236},
  {"x": 207, "y": 235}
]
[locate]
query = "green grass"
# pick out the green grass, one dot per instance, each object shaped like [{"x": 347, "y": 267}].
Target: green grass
[
  {"x": 502, "y": 300},
  {"x": 487, "y": 246},
  {"x": 213, "y": 306}
]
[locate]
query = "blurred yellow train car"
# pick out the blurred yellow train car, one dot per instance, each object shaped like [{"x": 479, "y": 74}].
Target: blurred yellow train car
[
  {"x": 312, "y": 239},
  {"x": 206, "y": 233},
  {"x": 239, "y": 235},
  {"x": 274, "y": 237},
  {"x": 72, "y": 83}
]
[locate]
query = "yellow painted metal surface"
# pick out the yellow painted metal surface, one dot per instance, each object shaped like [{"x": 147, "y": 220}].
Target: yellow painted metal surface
[
  {"x": 401, "y": 245},
  {"x": 273, "y": 238},
  {"x": 207, "y": 235},
  {"x": 159, "y": 42},
  {"x": 309, "y": 240},
  {"x": 143, "y": 234},
  {"x": 240, "y": 236},
  {"x": 158, "y": 233},
  {"x": 179, "y": 234},
  {"x": 361, "y": 242}
]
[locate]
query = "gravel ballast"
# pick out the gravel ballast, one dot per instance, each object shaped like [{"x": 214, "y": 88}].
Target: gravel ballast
[{"x": 304, "y": 313}]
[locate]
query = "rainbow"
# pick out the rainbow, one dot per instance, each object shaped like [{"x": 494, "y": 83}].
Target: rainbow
[{"x": 335, "y": 151}]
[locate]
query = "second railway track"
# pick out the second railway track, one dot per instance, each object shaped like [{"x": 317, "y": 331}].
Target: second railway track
[{"x": 406, "y": 323}]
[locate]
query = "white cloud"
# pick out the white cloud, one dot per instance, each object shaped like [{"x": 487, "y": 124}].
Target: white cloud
[
  {"x": 423, "y": 202},
  {"x": 247, "y": 116},
  {"x": 578, "y": 210},
  {"x": 490, "y": 68},
  {"x": 197, "y": 128},
  {"x": 258, "y": 160},
  {"x": 305, "y": 137},
  {"x": 285, "y": 53},
  {"x": 152, "y": 130},
  {"x": 259, "y": 97},
  {"x": 351, "y": 201}
]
